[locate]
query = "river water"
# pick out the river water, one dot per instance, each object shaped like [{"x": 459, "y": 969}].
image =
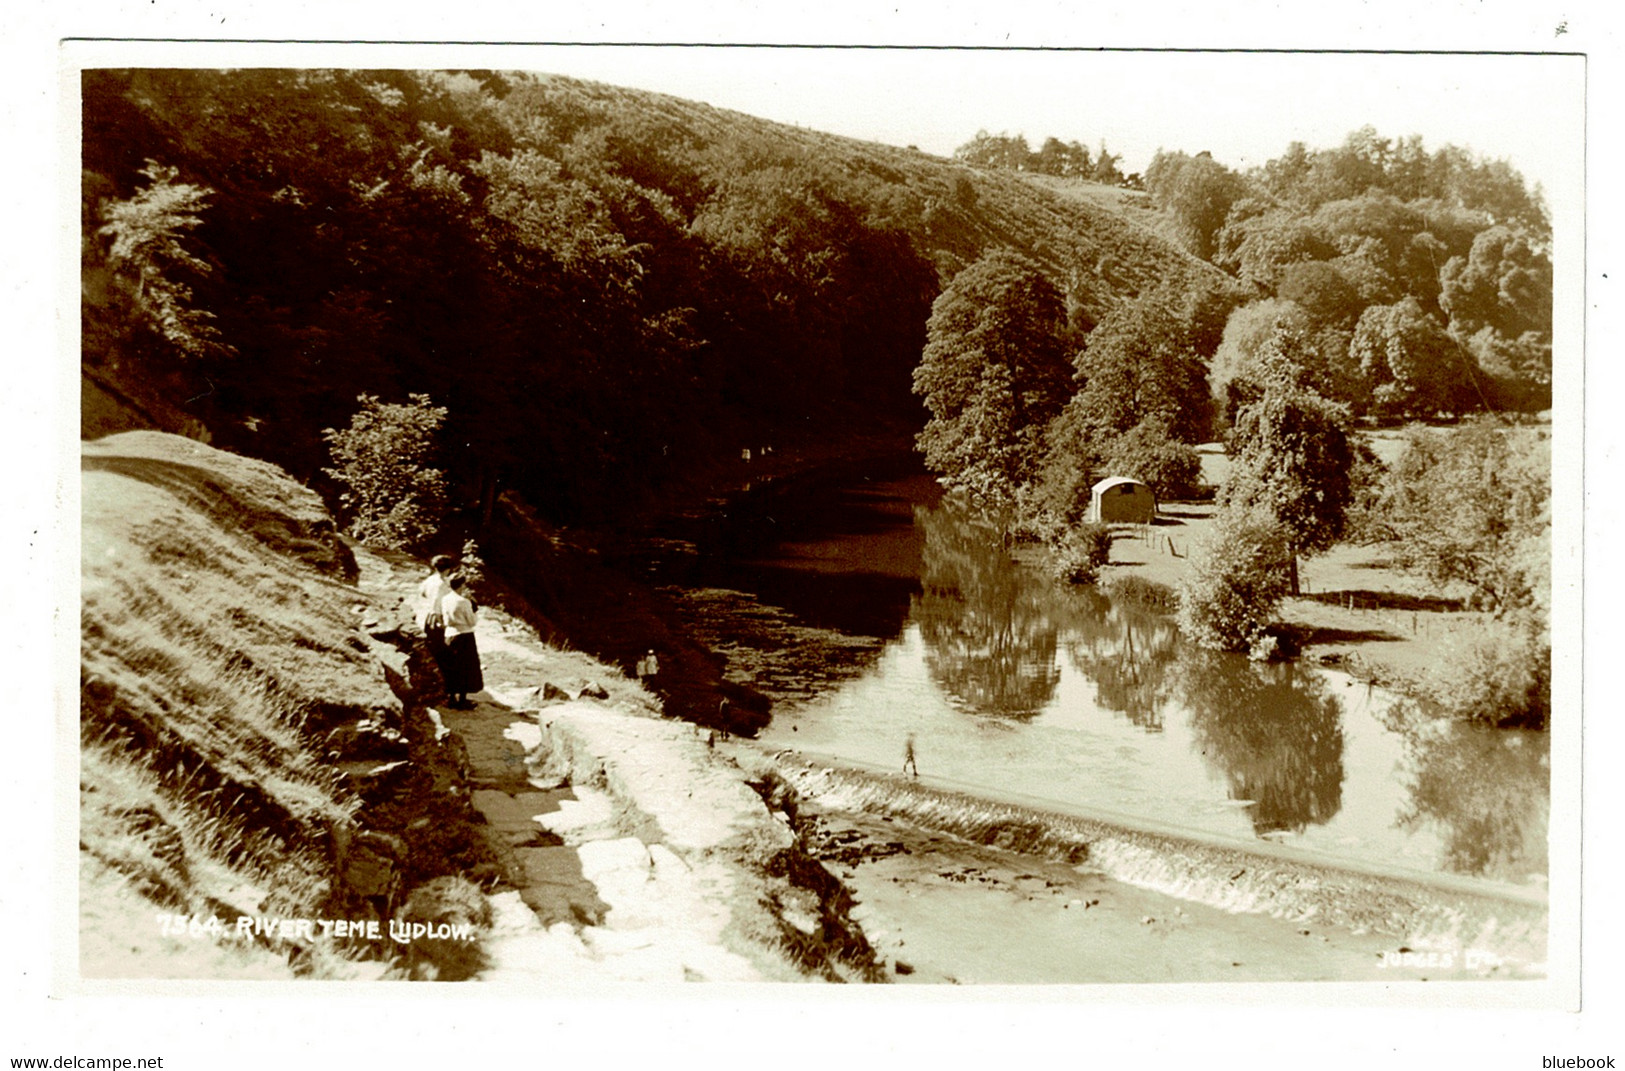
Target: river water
[{"x": 873, "y": 614}]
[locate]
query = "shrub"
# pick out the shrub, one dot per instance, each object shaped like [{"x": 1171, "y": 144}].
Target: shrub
[
  {"x": 1500, "y": 674},
  {"x": 1077, "y": 555},
  {"x": 394, "y": 497},
  {"x": 471, "y": 565},
  {"x": 1238, "y": 575}
]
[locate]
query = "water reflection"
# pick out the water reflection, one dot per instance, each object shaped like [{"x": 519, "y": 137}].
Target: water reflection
[
  {"x": 1130, "y": 721},
  {"x": 1486, "y": 792},
  {"x": 989, "y": 642},
  {"x": 1127, "y": 652},
  {"x": 1274, "y": 733}
]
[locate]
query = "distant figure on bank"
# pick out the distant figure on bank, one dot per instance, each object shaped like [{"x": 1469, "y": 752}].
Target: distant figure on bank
[
  {"x": 431, "y": 612},
  {"x": 462, "y": 672},
  {"x": 648, "y": 667},
  {"x": 909, "y": 765}
]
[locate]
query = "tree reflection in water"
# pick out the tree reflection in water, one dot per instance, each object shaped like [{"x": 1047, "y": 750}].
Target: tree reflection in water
[
  {"x": 989, "y": 641},
  {"x": 1487, "y": 790},
  {"x": 1126, "y": 651},
  {"x": 1275, "y": 733}
]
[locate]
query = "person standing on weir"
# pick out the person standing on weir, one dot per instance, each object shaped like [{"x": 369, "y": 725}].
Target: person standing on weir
[{"x": 909, "y": 765}]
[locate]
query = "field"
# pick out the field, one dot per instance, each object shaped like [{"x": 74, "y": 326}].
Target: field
[{"x": 1357, "y": 609}]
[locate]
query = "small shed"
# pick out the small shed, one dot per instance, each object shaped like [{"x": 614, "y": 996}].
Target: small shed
[{"x": 1120, "y": 500}]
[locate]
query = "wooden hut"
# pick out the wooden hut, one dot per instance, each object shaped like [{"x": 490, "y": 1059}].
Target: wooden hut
[{"x": 1120, "y": 500}]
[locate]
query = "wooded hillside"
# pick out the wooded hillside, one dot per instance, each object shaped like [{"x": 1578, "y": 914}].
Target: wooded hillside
[{"x": 598, "y": 284}]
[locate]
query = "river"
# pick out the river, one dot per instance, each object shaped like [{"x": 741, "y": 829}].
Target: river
[{"x": 872, "y": 614}]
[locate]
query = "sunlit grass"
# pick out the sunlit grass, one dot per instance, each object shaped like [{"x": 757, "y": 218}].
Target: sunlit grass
[{"x": 213, "y": 664}]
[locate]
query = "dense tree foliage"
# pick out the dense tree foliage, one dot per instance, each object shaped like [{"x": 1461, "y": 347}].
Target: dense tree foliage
[
  {"x": 1143, "y": 398},
  {"x": 1294, "y": 461},
  {"x": 1412, "y": 367},
  {"x": 994, "y": 373},
  {"x": 1274, "y": 337},
  {"x": 1197, "y": 192},
  {"x": 1473, "y": 507},
  {"x": 1148, "y": 360},
  {"x": 1237, "y": 577},
  {"x": 1442, "y": 258}
]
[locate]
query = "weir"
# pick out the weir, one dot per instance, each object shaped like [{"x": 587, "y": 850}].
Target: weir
[{"x": 1420, "y": 910}]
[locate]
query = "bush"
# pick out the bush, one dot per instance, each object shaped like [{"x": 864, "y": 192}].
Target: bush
[
  {"x": 1077, "y": 555},
  {"x": 471, "y": 565},
  {"x": 382, "y": 464},
  {"x": 1238, "y": 575},
  {"x": 1500, "y": 675}
]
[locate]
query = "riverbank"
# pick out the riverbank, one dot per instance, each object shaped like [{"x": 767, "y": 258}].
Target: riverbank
[
  {"x": 600, "y": 589},
  {"x": 626, "y": 847},
  {"x": 1358, "y": 610},
  {"x": 271, "y": 788}
]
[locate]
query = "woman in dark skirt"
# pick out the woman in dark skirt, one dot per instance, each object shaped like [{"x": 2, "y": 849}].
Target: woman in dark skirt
[{"x": 462, "y": 669}]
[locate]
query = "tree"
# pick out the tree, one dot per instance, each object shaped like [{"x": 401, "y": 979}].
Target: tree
[
  {"x": 1148, "y": 452},
  {"x": 1406, "y": 243},
  {"x": 993, "y": 374},
  {"x": 148, "y": 259},
  {"x": 1499, "y": 299},
  {"x": 1505, "y": 282},
  {"x": 1196, "y": 192},
  {"x": 1236, "y": 373},
  {"x": 1472, "y": 504},
  {"x": 1325, "y": 294},
  {"x": 1105, "y": 169},
  {"x": 1257, "y": 242},
  {"x": 382, "y": 463},
  {"x": 1294, "y": 462},
  {"x": 1518, "y": 370},
  {"x": 1236, "y": 580},
  {"x": 995, "y": 150},
  {"x": 1412, "y": 366},
  {"x": 1147, "y": 360},
  {"x": 1056, "y": 158}
]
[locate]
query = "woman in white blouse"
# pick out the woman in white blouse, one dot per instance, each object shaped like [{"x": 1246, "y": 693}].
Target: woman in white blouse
[{"x": 462, "y": 669}]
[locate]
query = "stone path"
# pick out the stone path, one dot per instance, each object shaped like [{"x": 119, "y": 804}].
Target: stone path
[{"x": 589, "y": 903}]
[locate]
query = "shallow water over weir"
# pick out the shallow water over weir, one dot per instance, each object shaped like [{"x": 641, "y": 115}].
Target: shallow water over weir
[{"x": 871, "y": 614}]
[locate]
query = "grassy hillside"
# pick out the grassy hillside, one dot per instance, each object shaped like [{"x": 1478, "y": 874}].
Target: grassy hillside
[{"x": 235, "y": 713}]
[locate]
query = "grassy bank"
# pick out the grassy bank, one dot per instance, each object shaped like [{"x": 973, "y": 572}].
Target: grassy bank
[{"x": 1358, "y": 609}]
